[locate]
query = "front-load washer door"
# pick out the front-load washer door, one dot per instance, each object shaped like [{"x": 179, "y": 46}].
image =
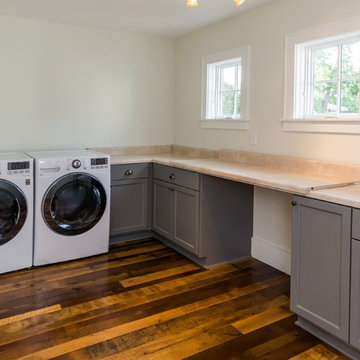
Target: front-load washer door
[
  {"x": 13, "y": 211},
  {"x": 74, "y": 204}
]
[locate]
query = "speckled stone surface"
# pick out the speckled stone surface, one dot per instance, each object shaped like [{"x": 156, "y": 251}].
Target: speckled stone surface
[
  {"x": 292, "y": 175},
  {"x": 349, "y": 196}
]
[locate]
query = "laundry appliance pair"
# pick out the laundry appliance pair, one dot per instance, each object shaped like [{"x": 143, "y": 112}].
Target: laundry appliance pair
[{"x": 66, "y": 212}]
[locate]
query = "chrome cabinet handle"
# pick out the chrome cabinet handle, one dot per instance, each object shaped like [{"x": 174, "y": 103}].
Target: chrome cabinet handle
[
  {"x": 129, "y": 172},
  {"x": 293, "y": 203},
  {"x": 172, "y": 176}
]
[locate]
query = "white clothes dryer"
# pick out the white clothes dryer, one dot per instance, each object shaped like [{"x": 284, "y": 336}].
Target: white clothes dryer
[
  {"x": 16, "y": 211},
  {"x": 72, "y": 202}
]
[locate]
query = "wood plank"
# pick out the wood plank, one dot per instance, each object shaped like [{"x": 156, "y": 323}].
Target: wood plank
[
  {"x": 264, "y": 349},
  {"x": 318, "y": 352},
  {"x": 277, "y": 310},
  {"x": 233, "y": 348},
  {"x": 174, "y": 349},
  {"x": 137, "y": 280},
  {"x": 29, "y": 314}
]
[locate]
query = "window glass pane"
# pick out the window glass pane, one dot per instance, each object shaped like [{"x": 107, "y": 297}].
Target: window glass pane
[
  {"x": 238, "y": 104},
  {"x": 228, "y": 78},
  {"x": 325, "y": 95},
  {"x": 351, "y": 60},
  {"x": 239, "y": 77},
  {"x": 350, "y": 97},
  {"x": 228, "y": 104},
  {"x": 326, "y": 62}
]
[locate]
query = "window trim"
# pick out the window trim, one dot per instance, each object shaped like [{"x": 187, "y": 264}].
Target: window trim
[
  {"x": 321, "y": 124},
  {"x": 241, "y": 123}
]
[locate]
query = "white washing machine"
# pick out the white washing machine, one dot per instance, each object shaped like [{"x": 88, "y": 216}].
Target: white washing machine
[
  {"x": 72, "y": 202},
  {"x": 16, "y": 211}
]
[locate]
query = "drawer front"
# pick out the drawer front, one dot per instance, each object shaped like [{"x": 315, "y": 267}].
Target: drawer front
[
  {"x": 356, "y": 224},
  {"x": 129, "y": 171},
  {"x": 176, "y": 176}
]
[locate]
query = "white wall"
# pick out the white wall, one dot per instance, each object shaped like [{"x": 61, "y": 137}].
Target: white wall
[
  {"x": 272, "y": 228},
  {"x": 264, "y": 29},
  {"x": 71, "y": 87}
]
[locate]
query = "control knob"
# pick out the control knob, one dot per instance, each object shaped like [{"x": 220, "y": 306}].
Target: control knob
[{"x": 76, "y": 164}]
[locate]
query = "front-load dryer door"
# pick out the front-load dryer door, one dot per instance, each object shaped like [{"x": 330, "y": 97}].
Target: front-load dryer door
[
  {"x": 13, "y": 211},
  {"x": 74, "y": 204}
]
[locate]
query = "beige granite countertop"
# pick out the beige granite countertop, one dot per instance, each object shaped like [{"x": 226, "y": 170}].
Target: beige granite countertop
[
  {"x": 272, "y": 177},
  {"x": 349, "y": 196}
]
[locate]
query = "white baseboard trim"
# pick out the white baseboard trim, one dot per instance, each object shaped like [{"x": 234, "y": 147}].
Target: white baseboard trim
[{"x": 271, "y": 254}]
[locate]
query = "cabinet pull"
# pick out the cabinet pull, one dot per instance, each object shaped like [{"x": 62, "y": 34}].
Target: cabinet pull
[
  {"x": 293, "y": 203},
  {"x": 129, "y": 172},
  {"x": 172, "y": 176},
  {"x": 171, "y": 189}
]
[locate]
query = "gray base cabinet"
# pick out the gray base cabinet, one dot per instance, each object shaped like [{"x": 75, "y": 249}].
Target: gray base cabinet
[
  {"x": 176, "y": 207},
  {"x": 320, "y": 282},
  {"x": 130, "y": 199},
  {"x": 206, "y": 218}
]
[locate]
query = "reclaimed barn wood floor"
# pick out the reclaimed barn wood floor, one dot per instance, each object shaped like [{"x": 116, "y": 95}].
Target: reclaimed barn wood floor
[{"x": 145, "y": 301}]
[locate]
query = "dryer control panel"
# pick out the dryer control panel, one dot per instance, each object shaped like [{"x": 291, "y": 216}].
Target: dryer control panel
[
  {"x": 51, "y": 166},
  {"x": 99, "y": 163}
]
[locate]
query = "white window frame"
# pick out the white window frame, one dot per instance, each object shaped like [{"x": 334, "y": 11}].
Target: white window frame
[
  {"x": 227, "y": 57},
  {"x": 294, "y": 117}
]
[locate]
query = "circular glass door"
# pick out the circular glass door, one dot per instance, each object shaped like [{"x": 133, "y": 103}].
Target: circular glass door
[
  {"x": 74, "y": 204},
  {"x": 13, "y": 211}
]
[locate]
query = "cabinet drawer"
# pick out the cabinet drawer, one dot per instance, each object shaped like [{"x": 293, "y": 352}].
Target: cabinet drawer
[
  {"x": 129, "y": 171},
  {"x": 176, "y": 176}
]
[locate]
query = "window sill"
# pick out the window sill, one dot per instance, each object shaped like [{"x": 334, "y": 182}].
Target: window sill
[
  {"x": 323, "y": 125},
  {"x": 226, "y": 124}
]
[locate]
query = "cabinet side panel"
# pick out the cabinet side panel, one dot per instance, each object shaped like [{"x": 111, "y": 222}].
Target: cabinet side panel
[{"x": 226, "y": 219}]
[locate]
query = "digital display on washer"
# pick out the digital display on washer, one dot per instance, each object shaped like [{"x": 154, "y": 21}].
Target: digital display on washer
[
  {"x": 19, "y": 165},
  {"x": 99, "y": 161}
]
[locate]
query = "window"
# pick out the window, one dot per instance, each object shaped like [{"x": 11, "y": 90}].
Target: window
[
  {"x": 224, "y": 90},
  {"x": 327, "y": 78},
  {"x": 323, "y": 95}
]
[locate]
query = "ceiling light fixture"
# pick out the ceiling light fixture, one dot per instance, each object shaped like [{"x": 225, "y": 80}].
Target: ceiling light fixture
[{"x": 194, "y": 3}]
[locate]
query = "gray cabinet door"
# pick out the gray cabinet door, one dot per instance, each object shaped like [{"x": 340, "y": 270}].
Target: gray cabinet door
[
  {"x": 186, "y": 218},
  {"x": 129, "y": 206},
  {"x": 162, "y": 208},
  {"x": 355, "y": 295},
  {"x": 320, "y": 273}
]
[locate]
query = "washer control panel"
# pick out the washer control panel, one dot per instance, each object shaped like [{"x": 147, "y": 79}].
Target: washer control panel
[{"x": 18, "y": 168}]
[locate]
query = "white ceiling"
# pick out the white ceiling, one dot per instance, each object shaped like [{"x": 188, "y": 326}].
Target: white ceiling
[{"x": 169, "y": 18}]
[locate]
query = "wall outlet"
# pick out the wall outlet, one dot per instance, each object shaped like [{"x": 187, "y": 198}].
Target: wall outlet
[{"x": 254, "y": 138}]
